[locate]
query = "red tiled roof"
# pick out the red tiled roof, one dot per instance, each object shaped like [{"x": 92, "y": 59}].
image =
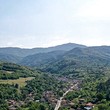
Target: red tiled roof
[{"x": 89, "y": 104}]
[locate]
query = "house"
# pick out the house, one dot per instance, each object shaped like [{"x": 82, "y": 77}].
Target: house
[
  {"x": 89, "y": 106},
  {"x": 11, "y": 102},
  {"x": 20, "y": 103},
  {"x": 64, "y": 102}
]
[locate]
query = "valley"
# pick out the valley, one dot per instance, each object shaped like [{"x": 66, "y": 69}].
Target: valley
[{"x": 65, "y": 77}]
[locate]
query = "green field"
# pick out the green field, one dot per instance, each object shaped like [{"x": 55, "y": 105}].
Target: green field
[{"x": 20, "y": 81}]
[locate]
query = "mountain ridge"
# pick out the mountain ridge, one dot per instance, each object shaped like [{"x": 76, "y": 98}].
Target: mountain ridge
[{"x": 22, "y": 52}]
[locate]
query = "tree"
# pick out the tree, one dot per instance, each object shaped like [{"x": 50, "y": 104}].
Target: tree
[
  {"x": 100, "y": 96},
  {"x": 16, "y": 85},
  {"x": 42, "y": 107},
  {"x": 102, "y": 107}
]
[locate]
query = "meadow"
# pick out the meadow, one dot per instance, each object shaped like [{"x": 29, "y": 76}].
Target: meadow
[{"x": 21, "y": 81}]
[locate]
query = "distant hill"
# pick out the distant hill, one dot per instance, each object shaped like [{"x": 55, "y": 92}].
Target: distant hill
[
  {"x": 9, "y": 58},
  {"x": 41, "y": 58},
  {"x": 84, "y": 56},
  {"x": 25, "y": 52},
  {"x": 102, "y": 52},
  {"x": 79, "y": 60},
  {"x": 65, "y": 47}
]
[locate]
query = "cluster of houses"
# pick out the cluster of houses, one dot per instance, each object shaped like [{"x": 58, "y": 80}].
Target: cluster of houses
[
  {"x": 13, "y": 105},
  {"x": 50, "y": 97},
  {"x": 86, "y": 106}
]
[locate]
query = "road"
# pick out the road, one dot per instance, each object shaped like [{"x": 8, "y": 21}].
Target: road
[{"x": 58, "y": 105}]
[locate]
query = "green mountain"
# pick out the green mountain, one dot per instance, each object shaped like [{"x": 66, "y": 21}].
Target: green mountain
[
  {"x": 9, "y": 58},
  {"x": 15, "y": 55},
  {"x": 80, "y": 60},
  {"x": 41, "y": 58}
]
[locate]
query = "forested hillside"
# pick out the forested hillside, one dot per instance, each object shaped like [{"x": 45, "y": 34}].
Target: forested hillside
[
  {"x": 9, "y": 58},
  {"x": 41, "y": 58},
  {"x": 14, "y": 71},
  {"x": 80, "y": 60}
]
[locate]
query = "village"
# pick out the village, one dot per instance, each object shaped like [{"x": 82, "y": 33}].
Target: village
[{"x": 56, "y": 102}]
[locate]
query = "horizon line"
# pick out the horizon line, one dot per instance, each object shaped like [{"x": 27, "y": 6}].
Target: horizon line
[{"x": 51, "y": 46}]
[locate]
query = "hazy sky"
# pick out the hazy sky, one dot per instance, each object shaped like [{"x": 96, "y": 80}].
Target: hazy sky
[{"x": 43, "y": 23}]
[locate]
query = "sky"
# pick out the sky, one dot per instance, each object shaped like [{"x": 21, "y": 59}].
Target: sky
[{"x": 45, "y": 23}]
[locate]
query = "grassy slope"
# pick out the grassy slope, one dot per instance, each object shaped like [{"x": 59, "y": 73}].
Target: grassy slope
[{"x": 20, "y": 81}]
